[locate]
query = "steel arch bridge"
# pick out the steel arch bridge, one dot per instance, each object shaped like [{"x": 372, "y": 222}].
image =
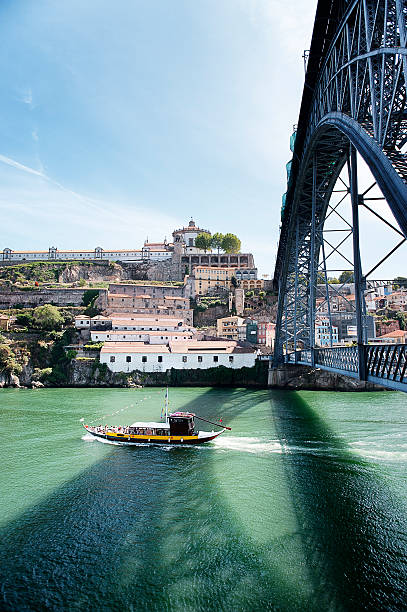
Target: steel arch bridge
[{"x": 353, "y": 107}]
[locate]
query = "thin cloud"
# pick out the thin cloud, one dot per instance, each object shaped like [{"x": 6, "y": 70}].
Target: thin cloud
[
  {"x": 15, "y": 164},
  {"x": 27, "y": 97}
]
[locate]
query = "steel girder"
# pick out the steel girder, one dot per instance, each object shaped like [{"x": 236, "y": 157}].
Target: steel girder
[{"x": 357, "y": 74}]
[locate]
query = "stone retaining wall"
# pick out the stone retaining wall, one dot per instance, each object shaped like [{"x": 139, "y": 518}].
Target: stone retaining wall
[{"x": 38, "y": 297}]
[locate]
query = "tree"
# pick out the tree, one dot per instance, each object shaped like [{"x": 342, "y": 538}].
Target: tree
[
  {"x": 401, "y": 317},
  {"x": 89, "y": 296},
  {"x": 399, "y": 281},
  {"x": 231, "y": 243},
  {"x": 24, "y": 318},
  {"x": 346, "y": 277},
  {"x": 216, "y": 241},
  {"x": 47, "y": 317},
  {"x": 203, "y": 241}
]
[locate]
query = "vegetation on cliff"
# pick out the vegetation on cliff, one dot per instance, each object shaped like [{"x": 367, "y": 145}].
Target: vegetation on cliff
[{"x": 8, "y": 361}]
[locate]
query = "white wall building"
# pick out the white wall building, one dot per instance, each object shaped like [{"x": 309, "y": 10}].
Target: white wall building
[
  {"x": 126, "y": 357},
  {"x": 97, "y": 254},
  {"x": 133, "y": 322},
  {"x": 187, "y": 236},
  {"x": 150, "y": 337}
]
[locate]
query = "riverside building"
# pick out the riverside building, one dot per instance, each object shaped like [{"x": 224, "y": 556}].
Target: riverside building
[{"x": 200, "y": 354}]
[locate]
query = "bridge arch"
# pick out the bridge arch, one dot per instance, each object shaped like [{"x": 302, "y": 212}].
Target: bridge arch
[{"x": 354, "y": 101}]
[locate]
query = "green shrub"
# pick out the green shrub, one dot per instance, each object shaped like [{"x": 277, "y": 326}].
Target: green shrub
[
  {"x": 47, "y": 317},
  {"x": 25, "y": 318},
  {"x": 89, "y": 297},
  {"x": 41, "y": 374},
  {"x": 93, "y": 346}
]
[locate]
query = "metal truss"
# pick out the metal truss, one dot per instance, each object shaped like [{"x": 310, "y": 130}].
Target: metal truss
[{"x": 354, "y": 101}]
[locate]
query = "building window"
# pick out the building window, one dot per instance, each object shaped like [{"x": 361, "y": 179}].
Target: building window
[
  {"x": 160, "y": 359},
  {"x": 216, "y": 359},
  {"x": 230, "y": 359},
  {"x": 128, "y": 358},
  {"x": 112, "y": 359},
  {"x": 184, "y": 358},
  {"x": 199, "y": 359},
  {"x": 144, "y": 359}
]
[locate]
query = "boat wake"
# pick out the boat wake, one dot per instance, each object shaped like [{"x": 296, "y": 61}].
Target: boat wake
[
  {"x": 89, "y": 438},
  {"x": 372, "y": 450},
  {"x": 248, "y": 445}
]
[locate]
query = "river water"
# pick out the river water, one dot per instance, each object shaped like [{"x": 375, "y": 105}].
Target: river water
[{"x": 302, "y": 506}]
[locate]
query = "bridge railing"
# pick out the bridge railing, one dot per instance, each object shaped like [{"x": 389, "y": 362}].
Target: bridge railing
[
  {"x": 345, "y": 358},
  {"x": 386, "y": 364}
]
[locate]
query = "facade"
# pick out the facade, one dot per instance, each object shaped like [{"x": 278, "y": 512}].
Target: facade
[
  {"x": 266, "y": 333},
  {"x": 97, "y": 254},
  {"x": 252, "y": 330},
  {"x": 395, "y": 337},
  {"x": 323, "y": 333},
  {"x": 228, "y": 327},
  {"x": 210, "y": 277},
  {"x": 187, "y": 237},
  {"x": 385, "y": 327},
  {"x": 347, "y": 326},
  {"x": 397, "y": 300},
  {"x": 243, "y": 274},
  {"x": 126, "y": 357},
  {"x": 4, "y": 322},
  {"x": 150, "y": 300},
  {"x": 251, "y": 284},
  {"x": 147, "y": 337},
  {"x": 223, "y": 260},
  {"x": 132, "y": 322}
]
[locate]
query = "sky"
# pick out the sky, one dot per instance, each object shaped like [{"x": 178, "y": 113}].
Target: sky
[{"x": 121, "y": 121}]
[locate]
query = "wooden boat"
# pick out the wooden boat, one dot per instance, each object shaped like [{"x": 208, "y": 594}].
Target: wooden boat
[{"x": 178, "y": 428}]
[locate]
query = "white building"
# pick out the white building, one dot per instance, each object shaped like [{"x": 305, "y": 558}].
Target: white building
[
  {"x": 325, "y": 333},
  {"x": 126, "y": 357},
  {"x": 148, "y": 337},
  {"x": 151, "y": 251},
  {"x": 133, "y": 322},
  {"x": 97, "y": 254},
  {"x": 85, "y": 322},
  {"x": 187, "y": 236}
]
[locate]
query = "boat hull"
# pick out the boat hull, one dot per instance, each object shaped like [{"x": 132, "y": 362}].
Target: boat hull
[{"x": 132, "y": 440}]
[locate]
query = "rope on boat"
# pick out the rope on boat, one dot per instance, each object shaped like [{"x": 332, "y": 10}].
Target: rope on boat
[{"x": 213, "y": 423}]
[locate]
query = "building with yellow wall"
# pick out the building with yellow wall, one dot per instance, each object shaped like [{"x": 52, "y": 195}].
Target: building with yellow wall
[
  {"x": 228, "y": 327},
  {"x": 209, "y": 277}
]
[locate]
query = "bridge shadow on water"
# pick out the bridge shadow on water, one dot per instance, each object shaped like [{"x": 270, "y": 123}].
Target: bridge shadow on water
[
  {"x": 354, "y": 530},
  {"x": 150, "y": 529}
]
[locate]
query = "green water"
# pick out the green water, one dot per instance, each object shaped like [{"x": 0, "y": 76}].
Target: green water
[{"x": 302, "y": 506}]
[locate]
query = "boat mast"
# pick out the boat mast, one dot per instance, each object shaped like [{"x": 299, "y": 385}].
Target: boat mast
[{"x": 166, "y": 406}]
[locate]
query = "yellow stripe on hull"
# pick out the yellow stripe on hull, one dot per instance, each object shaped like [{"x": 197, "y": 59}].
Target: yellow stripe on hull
[{"x": 151, "y": 438}]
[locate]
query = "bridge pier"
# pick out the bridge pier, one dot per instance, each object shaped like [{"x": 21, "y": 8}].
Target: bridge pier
[{"x": 299, "y": 377}]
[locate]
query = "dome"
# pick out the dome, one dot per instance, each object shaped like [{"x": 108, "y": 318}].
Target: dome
[{"x": 192, "y": 223}]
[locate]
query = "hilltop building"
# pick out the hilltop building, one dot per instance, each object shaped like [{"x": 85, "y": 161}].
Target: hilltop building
[
  {"x": 186, "y": 236},
  {"x": 157, "y": 260}
]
